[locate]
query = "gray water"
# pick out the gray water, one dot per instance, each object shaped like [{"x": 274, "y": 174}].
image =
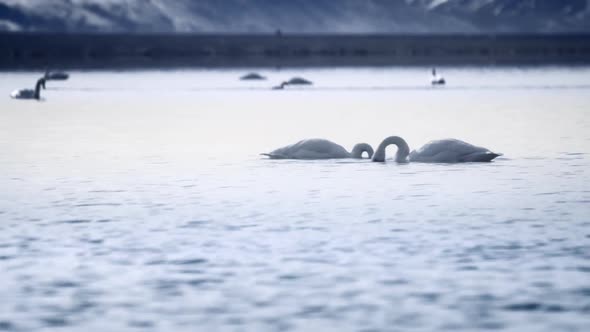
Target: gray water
[{"x": 137, "y": 201}]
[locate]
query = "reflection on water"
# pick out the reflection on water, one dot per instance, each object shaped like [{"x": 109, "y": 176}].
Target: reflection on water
[{"x": 138, "y": 201}]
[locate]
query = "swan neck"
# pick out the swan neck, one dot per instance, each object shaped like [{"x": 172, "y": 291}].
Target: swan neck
[
  {"x": 38, "y": 88},
  {"x": 403, "y": 150},
  {"x": 359, "y": 149}
]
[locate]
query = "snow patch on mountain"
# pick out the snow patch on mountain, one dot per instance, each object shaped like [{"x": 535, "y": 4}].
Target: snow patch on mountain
[{"x": 297, "y": 16}]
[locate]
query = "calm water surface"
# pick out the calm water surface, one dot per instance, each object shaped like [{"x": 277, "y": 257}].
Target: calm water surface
[{"x": 137, "y": 201}]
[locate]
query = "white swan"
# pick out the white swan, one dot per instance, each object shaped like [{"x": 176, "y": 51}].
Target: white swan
[
  {"x": 317, "y": 148},
  {"x": 28, "y": 93},
  {"x": 437, "y": 80},
  {"x": 440, "y": 151}
]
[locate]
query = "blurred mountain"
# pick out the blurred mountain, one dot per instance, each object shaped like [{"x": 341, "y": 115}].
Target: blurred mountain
[{"x": 297, "y": 16}]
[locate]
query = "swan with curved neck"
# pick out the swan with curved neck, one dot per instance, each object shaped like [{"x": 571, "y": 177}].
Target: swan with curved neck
[
  {"x": 440, "y": 151},
  {"x": 437, "y": 80},
  {"x": 28, "y": 93},
  {"x": 317, "y": 148},
  {"x": 403, "y": 150},
  {"x": 281, "y": 86}
]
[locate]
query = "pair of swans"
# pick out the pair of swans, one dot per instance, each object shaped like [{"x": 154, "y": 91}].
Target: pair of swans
[
  {"x": 28, "y": 93},
  {"x": 36, "y": 93},
  {"x": 440, "y": 151}
]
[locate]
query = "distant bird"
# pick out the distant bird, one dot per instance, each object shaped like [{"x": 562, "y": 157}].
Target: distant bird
[
  {"x": 299, "y": 81},
  {"x": 441, "y": 151},
  {"x": 56, "y": 76},
  {"x": 293, "y": 81},
  {"x": 28, "y": 93},
  {"x": 252, "y": 77},
  {"x": 437, "y": 80},
  {"x": 281, "y": 86},
  {"x": 318, "y": 148}
]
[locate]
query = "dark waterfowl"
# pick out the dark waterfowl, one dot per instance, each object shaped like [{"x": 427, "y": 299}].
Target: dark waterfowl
[
  {"x": 29, "y": 93},
  {"x": 299, "y": 81},
  {"x": 437, "y": 80},
  {"x": 56, "y": 76},
  {"x": 252, "y": 77},
  {"x": 280, "y": 86}
]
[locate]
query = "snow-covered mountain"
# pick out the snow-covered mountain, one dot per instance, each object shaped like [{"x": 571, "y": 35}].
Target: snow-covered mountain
[{"x": 297, "y": 16}]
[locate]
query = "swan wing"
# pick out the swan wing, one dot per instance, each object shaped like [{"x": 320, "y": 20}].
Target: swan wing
[
  {"x": 57, "y": 76},
  {"x": 310, "y": 149},
  {"x": 252, "y": 76},
  {"x": 299, "y": 81},
  {"x": 451, "y": 151},
  {"x": 480, "y": 157},
  {"x": 23, "y": 94}
]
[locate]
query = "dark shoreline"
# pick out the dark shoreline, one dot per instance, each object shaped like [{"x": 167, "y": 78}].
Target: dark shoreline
[{"x": 129, "y": 51}]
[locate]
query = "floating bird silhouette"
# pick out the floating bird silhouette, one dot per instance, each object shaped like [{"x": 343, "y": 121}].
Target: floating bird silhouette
[
  {"x": 440, "y": 151},
  {"x": 437, "y": 80},
  {"x": 280, "y": 86},
  {"x": 56, "y": 75},
  {"x": 29, "y": 93},
  {"x": 252, "y": 77},
  {"x": 299, "y": 81},
  {"x": 318, "y": 148}
]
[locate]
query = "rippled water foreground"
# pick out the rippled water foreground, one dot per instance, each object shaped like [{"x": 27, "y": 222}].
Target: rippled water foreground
[{"x": 138, "y": 201}]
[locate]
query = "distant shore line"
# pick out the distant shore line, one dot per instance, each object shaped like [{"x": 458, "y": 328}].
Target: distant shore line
[{"x": 96, "y": 51}]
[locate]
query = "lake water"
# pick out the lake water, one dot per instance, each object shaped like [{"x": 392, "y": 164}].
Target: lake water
[{"x": 137, "y": 201}]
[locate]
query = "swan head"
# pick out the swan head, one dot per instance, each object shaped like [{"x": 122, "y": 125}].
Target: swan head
[
  {"x": 403, "y": 150},
  {"x": 357, "y": 150}
]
